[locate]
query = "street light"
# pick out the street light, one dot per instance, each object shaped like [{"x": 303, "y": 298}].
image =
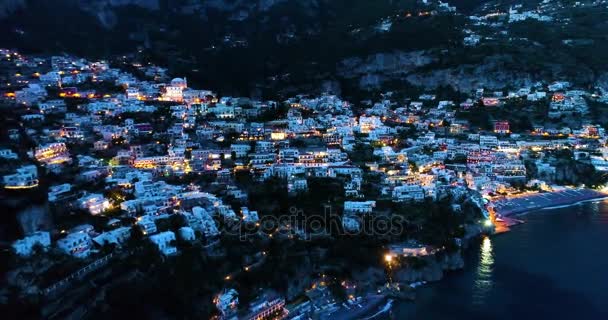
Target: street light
[
  {"x": 388, "y": 258},
  {"x": 389, "y": 261},
  {"x": 488, "y": 223}
]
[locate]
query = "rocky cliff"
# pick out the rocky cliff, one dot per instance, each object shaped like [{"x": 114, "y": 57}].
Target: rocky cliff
[
  {"x": 375, "y": 69},
  {"x": 570, "y": 172}
]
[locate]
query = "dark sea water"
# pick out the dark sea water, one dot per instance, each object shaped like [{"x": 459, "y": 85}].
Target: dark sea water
[{"x": 555, "y": 266}]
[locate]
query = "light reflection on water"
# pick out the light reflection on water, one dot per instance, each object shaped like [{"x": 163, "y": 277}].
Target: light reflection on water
[
  {"x": 551, "y": 267},
  {"x": 484, "y": 278}
]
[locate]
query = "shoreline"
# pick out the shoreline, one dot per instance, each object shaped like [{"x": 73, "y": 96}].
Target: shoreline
[
  {"x": 478, "y": 264},
  {"x": 511, "y": 207},
  {"x": 584, "y": 195},
  {"x": 575, "y": 203}
]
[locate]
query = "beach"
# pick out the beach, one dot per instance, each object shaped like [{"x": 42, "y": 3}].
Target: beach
[{"x": 518, "y": 205}]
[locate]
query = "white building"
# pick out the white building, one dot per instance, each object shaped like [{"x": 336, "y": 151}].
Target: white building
[
  {"x": 95, "y": 203},
  {"x": 408, "y": 193},
  {"x": 53, "y": 153},
  {"x": 52, "y": 106},
  {"x": 25, "y": 246},
  {"x": 77, "y": 244},
  {"x": 350, "y": 224},
  {"x": 288, "y": 155},
  {"x": 132, "y": 93},
  {"x": 361, "y": 207},
  {"x": 204, "y": 222},
  {"x": 163, "y": 242},
  {"x": 249, "y": 216},
  {"x": 223, "y": 111},
  {"x": 240, "y": 150},
  {"x": 55, "y": 192},
  {"x": 226, "y": 212},
  {"x": 148, "y": 189},
  {"x": 50, "y": 78},
  {"x": 117, "y": 236},
  {"x": 174, "y": 91},
  {"x": 30, "y": 95},
  {"x": 227, "y": 302},
  {"x": 488, "y": 141},
  {"x": 187, "y": 234},
  {"x": 295, "y": 185},
  {"x": 8, "y": 154},
  {"x": 147, "y": 224},
  {"x": 25, "y": 177}
]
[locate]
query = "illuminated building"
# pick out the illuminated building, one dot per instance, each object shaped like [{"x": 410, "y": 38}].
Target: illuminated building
[
  {"x": 278, "y": 135},
  {"x": 174, "y": 91},
  {"x": 491, "y": 102},
  {"x": 132, "y": 93},
  {"x": 53, "y": 153},
  {"x": 501, "y": 127},
  {"x": 94, "y": 203},
  {"x": 77, "y": 244},
  {"x": 26, "y": 177},
  {"x": 52, "y": 106}
]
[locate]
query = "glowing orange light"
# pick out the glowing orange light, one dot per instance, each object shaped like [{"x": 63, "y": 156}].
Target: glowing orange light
[{"x": 388, "y": 258}]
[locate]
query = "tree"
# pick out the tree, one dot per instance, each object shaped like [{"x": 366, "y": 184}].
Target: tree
[{"x": 362, "y": 153}]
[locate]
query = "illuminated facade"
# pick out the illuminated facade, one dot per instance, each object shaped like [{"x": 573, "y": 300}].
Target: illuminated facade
[
  {"x": 26, "y": 177},
  {"x": 174, "y": 91},
  {"x": 95, "y": 203},
  {"x": 53, "y": 153}
]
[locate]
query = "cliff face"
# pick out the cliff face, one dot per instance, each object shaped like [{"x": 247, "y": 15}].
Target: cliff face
[
  {"x": 492, "y": 72},
  {"x": 467, "y": 78},
  {"x": 570, "y": 172},
  {"x": 474, "y": 206},
  {"x": 373, "y": 70},
  {"x": 385, "y": 64}
]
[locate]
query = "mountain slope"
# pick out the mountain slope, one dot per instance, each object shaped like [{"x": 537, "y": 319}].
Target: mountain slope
[{"x": 291, "y": 46}]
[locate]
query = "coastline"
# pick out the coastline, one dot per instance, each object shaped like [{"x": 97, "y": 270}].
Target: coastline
[
  {"x": 510, "y": 207},
  {"x": 582, "y": 196},
  {"x": 501, "y": 266},
  {"x": 576, "y": 203}
]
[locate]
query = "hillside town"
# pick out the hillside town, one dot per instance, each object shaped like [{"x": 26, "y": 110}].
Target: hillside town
[{"x": 123, "y": 160}]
